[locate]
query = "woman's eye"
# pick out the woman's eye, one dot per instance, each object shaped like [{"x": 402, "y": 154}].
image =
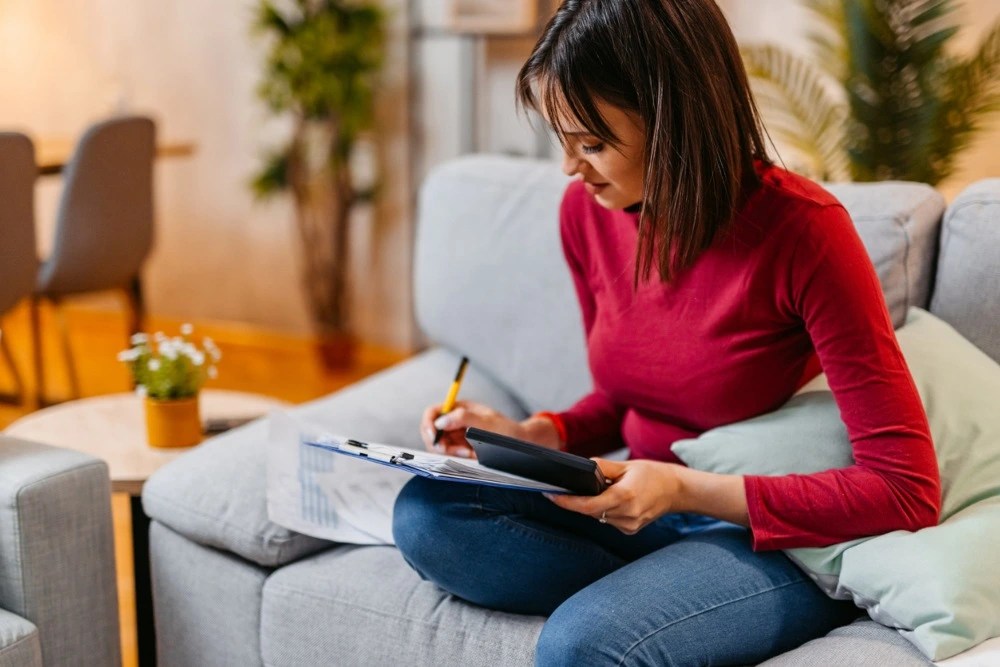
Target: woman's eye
[{"x": 596, "y": 148}]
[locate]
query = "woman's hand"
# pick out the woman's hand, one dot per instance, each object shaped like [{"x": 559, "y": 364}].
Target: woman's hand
[
  {"x": 642, "y": 492},
  {"x": 461, "y": 417}
]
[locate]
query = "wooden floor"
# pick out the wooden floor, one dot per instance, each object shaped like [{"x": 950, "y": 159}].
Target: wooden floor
[{"x": 278, "y": 365}]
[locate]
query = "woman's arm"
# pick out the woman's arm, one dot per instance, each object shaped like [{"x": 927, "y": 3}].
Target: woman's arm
[
  {"x": 894, "y": 484},
  {"x": 643, "y": 491}
]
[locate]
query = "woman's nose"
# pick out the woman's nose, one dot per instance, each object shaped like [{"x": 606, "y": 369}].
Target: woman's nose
[{"x": 570, "y": 164}]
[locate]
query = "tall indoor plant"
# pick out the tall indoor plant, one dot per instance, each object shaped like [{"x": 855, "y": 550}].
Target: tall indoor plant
[
  {"x": 884, "y": 97},
  {"x": 321, "y": 71}
]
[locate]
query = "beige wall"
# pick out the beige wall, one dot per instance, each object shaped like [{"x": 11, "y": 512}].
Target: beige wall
[{"x": 193, "y": 65}]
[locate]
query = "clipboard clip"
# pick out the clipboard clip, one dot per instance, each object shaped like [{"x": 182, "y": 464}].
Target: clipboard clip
[{"x": 364, "y": 449}]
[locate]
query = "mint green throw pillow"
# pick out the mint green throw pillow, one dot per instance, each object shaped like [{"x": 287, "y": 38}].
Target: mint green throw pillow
[
  {"x": 805, "y": 435},
  {"x": 939, "y": 586}
]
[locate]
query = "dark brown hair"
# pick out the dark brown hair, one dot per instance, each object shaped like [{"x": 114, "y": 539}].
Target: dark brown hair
[{"x": 676, "y": 65}]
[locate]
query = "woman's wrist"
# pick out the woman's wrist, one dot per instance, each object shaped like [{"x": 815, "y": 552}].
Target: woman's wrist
[
  {"x": 541, "y": 430},
  {"x": 712, "y": 494}
]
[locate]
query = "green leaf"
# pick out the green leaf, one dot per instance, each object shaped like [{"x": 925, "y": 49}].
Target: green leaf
[
  {"x": 796, "y": 104},
  {"x": 273, "y": 176}
]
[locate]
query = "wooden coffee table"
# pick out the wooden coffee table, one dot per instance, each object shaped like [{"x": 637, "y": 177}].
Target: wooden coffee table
[{"x": 113, "y": 428}]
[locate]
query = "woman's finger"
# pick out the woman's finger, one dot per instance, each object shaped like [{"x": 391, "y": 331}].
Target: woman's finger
[
  {"x": 589, "y": 505},
  {"x": 457, "y": 418},
  {"x": 611, "y": 469},
  {"x": 461, "y": 451},
  {"x": 427, "y": 425}
]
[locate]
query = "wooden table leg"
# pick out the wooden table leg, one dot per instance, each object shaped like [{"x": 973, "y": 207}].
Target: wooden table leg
[{"x": 145, "y": 627}]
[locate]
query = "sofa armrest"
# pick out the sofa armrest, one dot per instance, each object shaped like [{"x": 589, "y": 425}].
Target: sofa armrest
[{"x": 57, "y": 559}]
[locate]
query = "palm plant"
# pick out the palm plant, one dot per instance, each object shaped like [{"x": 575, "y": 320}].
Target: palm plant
[
  {"x": 884, "y": 99},
  {"x": 321, "y": 71}
]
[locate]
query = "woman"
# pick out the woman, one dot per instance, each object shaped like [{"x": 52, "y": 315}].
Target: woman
[{"x": 712, "y": 284}]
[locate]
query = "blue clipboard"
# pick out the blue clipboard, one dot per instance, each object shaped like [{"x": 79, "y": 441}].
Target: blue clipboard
[{"x": 434, "y": 466}]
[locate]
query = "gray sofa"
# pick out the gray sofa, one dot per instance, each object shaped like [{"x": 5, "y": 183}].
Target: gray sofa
[
  {"x": 232, "y": 588},
  {"x": 58, "y": 593}
]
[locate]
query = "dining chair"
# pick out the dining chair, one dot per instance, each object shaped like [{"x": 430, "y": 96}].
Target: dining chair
[
  {"x": 103, "y": 231},
  {"x": 18, "y": 256}
]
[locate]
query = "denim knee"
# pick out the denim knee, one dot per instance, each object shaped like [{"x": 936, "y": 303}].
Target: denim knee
[
  {"x": 414, "y": 513},
  {"x": 572, "y": 641}
]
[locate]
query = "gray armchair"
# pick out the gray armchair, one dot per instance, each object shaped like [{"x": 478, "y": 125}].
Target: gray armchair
[{"x": 58, "y": 593}]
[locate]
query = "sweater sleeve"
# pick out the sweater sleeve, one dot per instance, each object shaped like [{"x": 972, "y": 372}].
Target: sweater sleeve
[
  {"x": 593, "y": 424},
  {"x": 894, "y": 483}
]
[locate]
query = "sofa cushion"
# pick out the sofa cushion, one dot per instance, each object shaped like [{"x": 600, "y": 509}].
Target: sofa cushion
[
  {"x": 490, "y": 279},
  {"x": 365, "y": 606},
  {"x": 207, "y": 603},
  {"x": 863, "y": 643},
  {"x": 899, "y": 224},
  {"x": 215, "y": 494},
  {"x": 19, "y": 644},
  {"x": 967, "y": 288}
]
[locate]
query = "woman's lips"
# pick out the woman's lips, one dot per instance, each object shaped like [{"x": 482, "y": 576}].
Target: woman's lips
[{"x": 594, "y": 188}]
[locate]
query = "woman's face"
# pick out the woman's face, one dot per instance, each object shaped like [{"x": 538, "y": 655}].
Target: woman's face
[{"x": 613, "y": 175}]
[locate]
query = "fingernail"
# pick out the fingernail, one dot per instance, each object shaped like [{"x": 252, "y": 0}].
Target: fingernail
[
  {"x": 430, "y": 434},
  {"x": 549, "y": 496},
  {"x": 444, "y": 421}
]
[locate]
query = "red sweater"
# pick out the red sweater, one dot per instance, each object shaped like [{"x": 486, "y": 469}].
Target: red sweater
[{"x": 734, "y": 336}]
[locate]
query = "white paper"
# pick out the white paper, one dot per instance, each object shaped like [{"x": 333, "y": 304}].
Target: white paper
[{"x": 323, "y": 494}]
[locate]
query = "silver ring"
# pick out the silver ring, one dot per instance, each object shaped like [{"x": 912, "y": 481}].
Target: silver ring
[{"x": 604, "y": 517}]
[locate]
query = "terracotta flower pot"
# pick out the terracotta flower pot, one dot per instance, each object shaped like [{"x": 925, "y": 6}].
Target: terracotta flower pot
[{"x": 173, "y": 422}]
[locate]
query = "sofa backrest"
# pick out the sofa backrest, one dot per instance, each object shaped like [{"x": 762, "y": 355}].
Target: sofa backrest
[
  {"x": 491, "y": 281},
  {"x": 967, "y": 284},
  {"x": 899, "y": 224}
]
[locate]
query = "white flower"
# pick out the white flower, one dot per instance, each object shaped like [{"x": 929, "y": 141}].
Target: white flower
[
  {"x": 159, "y": 336},
  {"x": 139, "y": 339},
  {"x": 168, "y": 349},
  {"x": 128, "y": 355},
  {"x": 187, "y": 329},
  {"x": 212, "y": 372},
  {"x": 140, "y": 390},
  {"x": 154, "y": 365},
  {"x": 197, "y": 358},
  {"x": 213, "y": 350}
]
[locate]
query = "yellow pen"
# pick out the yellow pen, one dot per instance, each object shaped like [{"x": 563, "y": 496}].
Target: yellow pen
[{"x": 449, "y": 401}]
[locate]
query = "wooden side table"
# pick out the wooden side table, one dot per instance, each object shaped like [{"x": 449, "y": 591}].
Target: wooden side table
[{"x": 112, "y": 428}]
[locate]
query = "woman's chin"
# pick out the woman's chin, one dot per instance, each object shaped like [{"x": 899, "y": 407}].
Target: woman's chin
[{"x": 609, "y": 201}]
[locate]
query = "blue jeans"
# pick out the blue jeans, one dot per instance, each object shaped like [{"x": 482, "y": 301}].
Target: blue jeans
[{"x": 685, "y": 590}]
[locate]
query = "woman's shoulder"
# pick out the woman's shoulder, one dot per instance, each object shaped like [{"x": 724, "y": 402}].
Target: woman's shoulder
[
  {"x": 796, "y": 207},
  {"x": 779, "y": 183}
]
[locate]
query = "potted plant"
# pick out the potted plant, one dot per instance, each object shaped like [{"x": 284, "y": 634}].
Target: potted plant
[
  {"x": 885, "y": 99},
  {"x": 321, "y": 71},
  {"x": 169, "y": 373}
]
